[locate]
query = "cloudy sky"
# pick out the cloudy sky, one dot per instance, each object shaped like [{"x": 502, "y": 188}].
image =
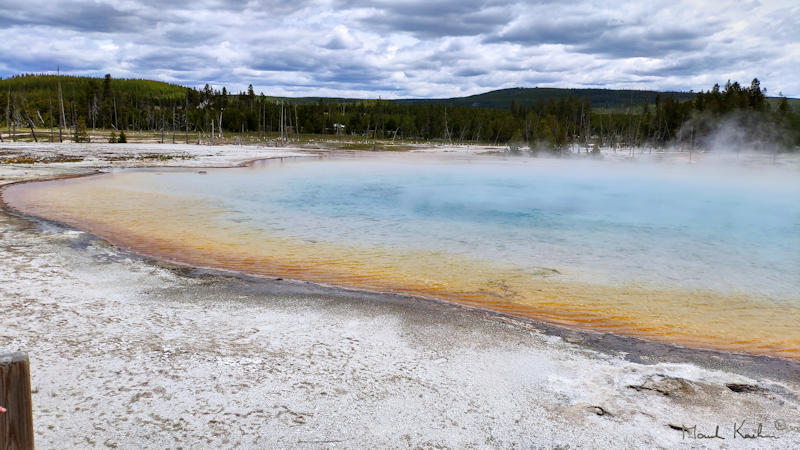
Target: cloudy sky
[{"x": 412, "y": 48}]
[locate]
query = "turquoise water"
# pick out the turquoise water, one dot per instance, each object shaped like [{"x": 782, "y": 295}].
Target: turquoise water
[
  {"x": 705, "y": 255},
  {"x": 733, "y": 229}
]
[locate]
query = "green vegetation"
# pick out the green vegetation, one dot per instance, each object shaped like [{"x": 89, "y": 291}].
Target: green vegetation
[
  {"x": 81, "y": 135},
  {"x": 541, "y": 118},
  {"x": 44, "y": 86}
]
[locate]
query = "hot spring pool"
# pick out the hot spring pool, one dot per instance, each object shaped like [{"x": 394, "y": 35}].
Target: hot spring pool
[{"x": 700, "y": 255}]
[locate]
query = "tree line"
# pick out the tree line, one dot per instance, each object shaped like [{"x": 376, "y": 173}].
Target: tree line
[{"x": 77, "y": 104}]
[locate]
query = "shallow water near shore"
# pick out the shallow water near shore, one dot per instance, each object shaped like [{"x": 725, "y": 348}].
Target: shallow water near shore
[{"x": 699, "y": 255}]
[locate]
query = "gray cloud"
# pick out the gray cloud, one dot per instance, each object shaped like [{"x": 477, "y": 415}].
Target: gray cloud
[
  {"x": 74, "y": 15},
  {"x": 541, "y": 30},
  {"x": 470, "y": 72},
  {"x": 428, "y": 19},
  {"x": 189, "y": 37},
  {"x": 408, "y": 48},
  {"x": 283, "y": 60},
  {"x": 643, "y": 42}
]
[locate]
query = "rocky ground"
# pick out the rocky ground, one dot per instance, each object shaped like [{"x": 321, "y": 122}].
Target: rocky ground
[{"x": 131, "y": 353}]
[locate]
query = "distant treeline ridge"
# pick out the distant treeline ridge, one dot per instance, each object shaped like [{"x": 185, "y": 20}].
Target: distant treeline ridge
[{"x": 75, "y": 104}]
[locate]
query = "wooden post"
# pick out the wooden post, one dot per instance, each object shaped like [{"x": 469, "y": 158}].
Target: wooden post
[{"x": 16, "y": 424}]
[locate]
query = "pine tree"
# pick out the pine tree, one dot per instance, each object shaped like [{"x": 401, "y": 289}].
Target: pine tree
[
  {"x": 122, "y": 138},
  {"x": 81, "y": 135}
]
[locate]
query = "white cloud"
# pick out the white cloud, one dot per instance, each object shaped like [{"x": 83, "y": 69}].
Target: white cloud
[{"x": 408, "y": 48}]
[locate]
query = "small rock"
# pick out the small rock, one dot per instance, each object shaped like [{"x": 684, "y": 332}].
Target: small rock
[
  {"x": 665, "y": 385},
  {"x": 745, "y": 388},
  {"x": 599, "y": 410}
]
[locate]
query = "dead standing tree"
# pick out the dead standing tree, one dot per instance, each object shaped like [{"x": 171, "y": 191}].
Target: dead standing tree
[
  {"x": 27, "y": 118},
  {"x": 446, "y": 128},
  {"x": 186, "y": 116},
  {"x": 11, "y": 112},
  {"x": 296, "y": 123},
  {"x": 8, "y": 112},
  {"x": 62, "y": 118}
]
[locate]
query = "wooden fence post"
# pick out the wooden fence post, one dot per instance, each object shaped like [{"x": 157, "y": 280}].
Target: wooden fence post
[{"x": 16, "y": 424}]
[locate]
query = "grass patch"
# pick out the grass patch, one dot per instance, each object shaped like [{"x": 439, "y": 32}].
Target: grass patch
[
  {"x": 19, "y": 160},
  {"x": 34, "y": 160}
]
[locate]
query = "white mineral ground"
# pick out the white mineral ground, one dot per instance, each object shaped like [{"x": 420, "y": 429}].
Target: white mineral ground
[{"x": 130, "y": 353}]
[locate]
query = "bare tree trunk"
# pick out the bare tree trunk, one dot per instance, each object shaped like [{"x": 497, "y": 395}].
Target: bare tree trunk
[
  {"x": 62, "y": 118},
  {"x": 630, "y": 127},
  {"x": 260, "y": 107},
  {"x": 601, "y": 132},
  {"x": 93, "y": 112},
  {"x": 14, "y": 123},
  {"x": 636, "y": 134},
  {"x": 288, "y": 122},
  {"x": 498, "y": 134},
  {"x": 33, "y": 133},
  {"x": 446, "y": 127},
  {"x": 8, "y": 113},
  {"x": 50, "y": 117},
  {"x": 581, "y": 131},
  {"x": 74, "y": 119},
  {"x": 296, "y": 123},
  {"x": 186, "y": 115},
  {"x": 28, "y": 118}
]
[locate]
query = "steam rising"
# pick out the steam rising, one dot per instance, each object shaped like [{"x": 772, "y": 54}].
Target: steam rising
[{"x": 736, "y": 132}]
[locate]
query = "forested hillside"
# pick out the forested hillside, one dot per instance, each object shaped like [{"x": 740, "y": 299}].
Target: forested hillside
[
  {"x": 600, "y": 98},
  {"x": 540, "y": 117}
]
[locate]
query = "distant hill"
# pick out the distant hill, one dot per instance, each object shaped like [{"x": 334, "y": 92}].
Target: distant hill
[
  {"x": 794, "y": 103},
  {"x": 600, "y": 98},
  {"x": 502, "y": 98},
  {"x": 43, "y": 86}
]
